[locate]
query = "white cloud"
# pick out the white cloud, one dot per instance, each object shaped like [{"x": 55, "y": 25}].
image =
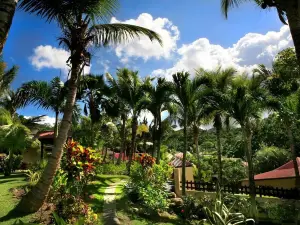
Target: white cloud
[
  {"x": 250, "y": 50},
  {"x": 143, "y": 47},
  {"x": 44, "y": 120},
  {"x": 47, "y": 56},
  {"x": 105, "y": 65}
]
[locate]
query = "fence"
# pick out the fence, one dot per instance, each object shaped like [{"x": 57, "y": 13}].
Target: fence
[{"x": 293, "y": 193}]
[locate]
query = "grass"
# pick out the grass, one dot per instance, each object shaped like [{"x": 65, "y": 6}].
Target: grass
[
  {"x": 96, "y": 190},
  {"x": 8, "y": 202}
]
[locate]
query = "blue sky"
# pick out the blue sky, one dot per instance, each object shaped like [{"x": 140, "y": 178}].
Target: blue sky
[{"x": 195, "y": 34}]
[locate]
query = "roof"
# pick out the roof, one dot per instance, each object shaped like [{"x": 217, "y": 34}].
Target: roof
[
  {"x": 177, "y": 161},
  {"x": 284, "y": 171},
  {"x": 45, "y": 135}
]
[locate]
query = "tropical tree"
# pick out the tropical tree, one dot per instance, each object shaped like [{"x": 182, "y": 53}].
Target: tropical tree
[
  {"x": 80, "y": 30},
  {"x": 7, "y": 12},
  {"x": 219, "y": 81},
  {"x": 245, "y": 102},
  {"x": 160, "y": 95},
  {"x": 186, "y": 92},
  {"x": 288, "y": 11},
  {"x": 13, "y": 137},
  {"x": 131, "y": 89},
  {"x": 45, "y": 95},
  {"x": 6, "y": 76}
]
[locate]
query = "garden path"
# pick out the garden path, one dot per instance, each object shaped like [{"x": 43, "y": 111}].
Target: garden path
[{"x": 109, "y": 207}]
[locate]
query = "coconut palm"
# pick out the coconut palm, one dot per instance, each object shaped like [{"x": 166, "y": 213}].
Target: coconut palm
[
  {"x": 13, "y": 136},
  {"x": 6, "y": 77},
  {"x": 79, "y": 23},
  {"x": 131, "y": 90},
  {"x": 7, "y": 12},
  {"x": 45, "y": 95},
  {"x": 219, "y": 81},
  {"x": 160, "y": 95},
  {"x": 287, "y": 11},
  {"x": 186, "y": 92},
  {"x": 245, "y": 102}
]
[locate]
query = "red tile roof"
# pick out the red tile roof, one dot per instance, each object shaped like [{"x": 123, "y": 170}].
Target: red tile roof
[
  {"x": 284, "y": 171},
  {"x": 177, "y": 161},
  {"x": 46, "y": 135}
]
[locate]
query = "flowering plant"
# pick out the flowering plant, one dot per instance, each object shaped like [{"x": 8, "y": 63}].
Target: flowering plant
[
  {"x": 79, "y": 162},
  {"x": 146, "y": 160}
]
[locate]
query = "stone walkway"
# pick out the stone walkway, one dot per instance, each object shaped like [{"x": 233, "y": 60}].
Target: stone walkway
[{"x": 109, "y": 207}]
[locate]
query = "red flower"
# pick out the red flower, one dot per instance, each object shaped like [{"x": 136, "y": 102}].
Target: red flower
[{"x": 182, "y": 211}]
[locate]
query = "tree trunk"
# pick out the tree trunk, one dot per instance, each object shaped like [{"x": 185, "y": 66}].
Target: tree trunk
[
  {"x": 56, "y": 125},
  {"x": 293, "y": 16},
  {"x": 183, "y": 177},
  {"x": 292, "y": 148},
  {"x": 8, "y": 169},
  {"x": 219, "y": 149},
  {"x": 133, "y": 138},
  {"x": 7, "y": 12},
  {"x": 247, "y": 136},
  {"x": 159, "y": 137},
  {"x": 154, "y": 136},
  {"x": 105, "y": 154},
  {"x": 196, "y": 140},
  {"x": 38, "y": 194},
  {"x": 123, "y": 139}
]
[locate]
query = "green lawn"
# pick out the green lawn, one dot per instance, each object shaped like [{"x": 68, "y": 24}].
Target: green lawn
[{"x": 7, "y": 201}]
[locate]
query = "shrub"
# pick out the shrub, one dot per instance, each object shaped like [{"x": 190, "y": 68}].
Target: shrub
[
  {"x": 111, "y": 169},
  {"x": 16, "y": 162}
]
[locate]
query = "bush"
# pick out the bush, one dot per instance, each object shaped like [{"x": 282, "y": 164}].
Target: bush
[
  {"x": 147, "y": 184},
  {"x": 112, "y": 169},
  {"x": 265, "y": 155},
  {"x": 15, "y": 163}
]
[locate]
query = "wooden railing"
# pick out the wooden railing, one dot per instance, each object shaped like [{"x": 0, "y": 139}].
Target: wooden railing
[{"x": 293, "y": 193}]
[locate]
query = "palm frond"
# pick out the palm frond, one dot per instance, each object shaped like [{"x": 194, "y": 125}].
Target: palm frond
[{"x": 112, "y": 34}]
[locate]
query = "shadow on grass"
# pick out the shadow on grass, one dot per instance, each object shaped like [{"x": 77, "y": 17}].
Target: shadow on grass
[
  {"x": 12, "y": 176},
  {"x": 13, "y": 214}
]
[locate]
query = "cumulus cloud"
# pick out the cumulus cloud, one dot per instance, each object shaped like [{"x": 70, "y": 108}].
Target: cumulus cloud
[
  {"x": 143, "y": 47},
  {"x": 250, "y": 50},
  {"x": 44, "y": 120},
  {"x": 47, "y": 56},
  {"x": 105, "y": 65}
]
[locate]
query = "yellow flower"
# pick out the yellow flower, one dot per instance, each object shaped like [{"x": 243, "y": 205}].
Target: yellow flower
[{"x": 95, "y": 216}]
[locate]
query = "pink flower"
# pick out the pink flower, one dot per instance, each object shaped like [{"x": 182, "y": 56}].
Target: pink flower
[{"x": 182, "y": 211}]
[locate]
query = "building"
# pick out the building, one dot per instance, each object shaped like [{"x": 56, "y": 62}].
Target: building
[{"x": 282, "y": 177}]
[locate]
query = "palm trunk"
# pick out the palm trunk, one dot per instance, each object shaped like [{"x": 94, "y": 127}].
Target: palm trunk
[
  {"x": 183, "y": 177},
  {"x": 36, "y": 197},
  {"x": 218, "y": 125},
  {"x": 247, "y": 136},
  {"x": 159, "y": 138},
  {"x": 154, "y": 136},
  {"x": 292, "y": 148},
  {"x": 7, "y": 12},
  {"x": 123, "y": 139},
  {"x": 56, "y": 125},
  {"x": 196, "y": 140},
  {"x": 293, "y": 16},
  {"x": 133, "y": 138}
]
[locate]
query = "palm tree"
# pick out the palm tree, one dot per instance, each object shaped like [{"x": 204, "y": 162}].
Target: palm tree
[
  {"x": 131, "y": 89},
  {"x": 244, "y": 102},
  {"x": 46, "y": 95},
  {"x": 6, "y": 77},
  {"x": 78, "y": 22},
  {"x": 287, "y": 10},
  {"x": 160, "y": 95},
  {"x": 7, "y": 12},
  {"x": 13, "y": 135},
  {"x": 186, "y": 92},
  {"x": 219, "y": 81}
]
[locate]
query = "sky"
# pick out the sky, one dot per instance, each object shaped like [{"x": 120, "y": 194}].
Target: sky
[{"x": 194, "y": 33}]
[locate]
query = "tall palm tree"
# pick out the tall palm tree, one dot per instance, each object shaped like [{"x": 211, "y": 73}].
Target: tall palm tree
[
  {"x": 245, "y": 102},
  {"x": 46, "y": 95},
  {"x": 287, "y": 10},
  {"x": 160, "y": 95},
  {"x": 219, "y": 81},
  {"x": 78, "y": 20},
  {"x": 7, "y": 12},
  {"x": 131, "y": 89},
  {"x": 186, "y": 92},
  {"x": 6, "y": 77}
]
